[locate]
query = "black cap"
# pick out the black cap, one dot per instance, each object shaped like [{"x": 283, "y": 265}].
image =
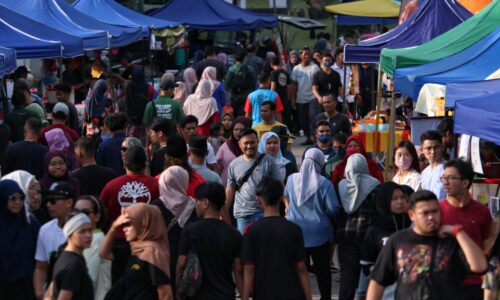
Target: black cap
[
  {"x": 135, "y": 155},
  {"x": 62, "y": 188},
  {"x": 198, "y": 142},
  {"x": 167, "y": 84},
  {"x": 176, "y": 146},
  {"x": 282, "y": 132}
]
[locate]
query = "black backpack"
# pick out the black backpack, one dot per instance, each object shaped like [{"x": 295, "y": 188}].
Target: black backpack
[{"x": 239, "y": 82}]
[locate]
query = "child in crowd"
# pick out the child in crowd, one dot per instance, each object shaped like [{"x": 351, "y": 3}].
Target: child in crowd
[{"x": 216, "y": 138}]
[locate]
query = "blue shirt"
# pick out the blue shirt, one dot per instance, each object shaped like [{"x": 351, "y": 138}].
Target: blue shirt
[
  {"x": 109, "y": 154},
  {"x": 315, "y": 215},
  {"x": 430, "y": 181},
  {"x": 256, "y": 98}
]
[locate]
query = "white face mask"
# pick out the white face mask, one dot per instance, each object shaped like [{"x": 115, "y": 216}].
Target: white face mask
[{"x": 403, "y": 162}]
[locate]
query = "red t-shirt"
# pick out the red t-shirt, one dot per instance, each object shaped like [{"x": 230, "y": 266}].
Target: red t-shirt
[
  {"x": 204, "y": 129},
  {"x": 194, "y": 181},
  {"x": 70, "y": 132},
  {"x": 126, "y": 190},
  {"x": 476, "y": 220}
]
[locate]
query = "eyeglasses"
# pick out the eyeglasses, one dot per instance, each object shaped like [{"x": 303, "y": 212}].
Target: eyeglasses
[
  {"x": 16, "y": 198},
  {"x": 123, "y": 149},
  {"x": 85, "y": 211},
  {"x": 53, "y": 200},
  {"x": 429, "y": 148},
  {"x": 448, "y": 178}
]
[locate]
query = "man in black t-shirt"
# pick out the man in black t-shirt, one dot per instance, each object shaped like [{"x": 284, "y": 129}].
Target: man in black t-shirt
[
  {"x": 280, "y": 83},
  {"x": 211, "y": 61},
  {"x": 273, "y": 251},
  {"x": 217, "y": 245},
  {"x": 91, "y": 176},
  {"x": 339, "y": 123},
  {"x": 326, "y": 81},
  {"x": 426, "y": 261}
]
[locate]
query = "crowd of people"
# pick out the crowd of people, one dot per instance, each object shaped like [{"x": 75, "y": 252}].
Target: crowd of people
[{"x": 192, "y": 191}]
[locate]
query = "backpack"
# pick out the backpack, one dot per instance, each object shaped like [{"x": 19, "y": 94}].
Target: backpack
[
  {"x": 191, "y": 278},
  {"x": 239, "y": 82}
]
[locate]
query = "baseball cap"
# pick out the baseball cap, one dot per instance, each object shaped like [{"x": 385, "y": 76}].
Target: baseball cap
[
  {"x": 60, "y": 107},
  {"x": 282, "y": 132},
  {"x": 168, "y": 84},
  {"x": 61, "y": 188}
]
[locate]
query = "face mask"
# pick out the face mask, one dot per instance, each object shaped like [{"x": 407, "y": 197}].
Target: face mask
[
  {"x": 352, "y": 151},
  {"x": 403, "y": 162},
  {"x": 324, "y": 138},
  {"x": 328, "y": 64}
]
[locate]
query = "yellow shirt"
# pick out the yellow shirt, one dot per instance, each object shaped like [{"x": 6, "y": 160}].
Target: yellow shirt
[{"x": 262, "y": 128}]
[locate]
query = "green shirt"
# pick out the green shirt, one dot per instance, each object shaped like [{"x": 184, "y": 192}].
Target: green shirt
[
  {"x": 251, "y": 83},
  {"x": 164, "y": 107}
]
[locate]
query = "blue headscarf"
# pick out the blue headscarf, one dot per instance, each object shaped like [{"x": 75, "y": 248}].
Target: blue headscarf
[
  {"x": 17, "y": 250},
  {"x": 97, "y": 103}
]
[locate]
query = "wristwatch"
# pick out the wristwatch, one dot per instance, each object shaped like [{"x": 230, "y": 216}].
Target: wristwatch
[{"x": 457, "y": 229}]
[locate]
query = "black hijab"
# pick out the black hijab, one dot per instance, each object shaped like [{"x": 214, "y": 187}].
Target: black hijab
[
  {"x": 134, "y": 103},
  {"x": 387, "y": 220}
]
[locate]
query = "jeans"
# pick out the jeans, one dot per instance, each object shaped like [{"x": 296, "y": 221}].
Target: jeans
[
  {"x": 243, "y": 223},
  {"x": 349, "y": 251},
  {"x": 321, "y": 267},
  {"x": 307, "y": 115}
]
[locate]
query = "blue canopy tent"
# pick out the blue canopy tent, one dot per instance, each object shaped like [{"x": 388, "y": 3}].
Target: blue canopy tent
[
  {"x": 32, "y": 39},
  {"x": 7, "y": 61},
  {"x": 120, "y": 35},
  {"x": 479, "y": 117},
  {"x": 44, "y": 12},
  {"x": 472, "y": 68},
  {"x": 113, "y": 13},
  {"x": 214, "y": 15},
  {"x": 410, "y": 80},
  {"x": 433, "y": 18},
  {"x": 473, "y": 89}
]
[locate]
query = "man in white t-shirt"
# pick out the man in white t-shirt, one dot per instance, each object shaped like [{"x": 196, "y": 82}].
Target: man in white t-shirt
[
  {"x": 341, "y": 68},
  {"x": 303, "y": 100},
  {"x": 432, "y": 148},
  {"x": 61, "y": 200}
]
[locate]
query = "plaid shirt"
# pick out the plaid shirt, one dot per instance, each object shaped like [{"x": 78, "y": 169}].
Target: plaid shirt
[{"x": 356, "y": 224}]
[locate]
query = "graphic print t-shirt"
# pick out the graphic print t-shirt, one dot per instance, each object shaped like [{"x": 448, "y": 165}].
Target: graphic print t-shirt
[
  {"x": 423, "y": 267},
  {"x": 127, "y": 190}
]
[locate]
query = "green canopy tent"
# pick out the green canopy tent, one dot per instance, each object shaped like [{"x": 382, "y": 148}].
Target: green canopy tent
[{"x": 451, "y": 42}]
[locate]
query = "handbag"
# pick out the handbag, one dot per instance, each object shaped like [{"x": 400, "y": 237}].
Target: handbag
[
  {"x": 249, "y": 172},
  {"x": 191, "y": 277}
]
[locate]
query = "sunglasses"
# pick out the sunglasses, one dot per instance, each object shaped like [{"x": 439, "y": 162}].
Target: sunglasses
[
  {"x": 53, "y": 200},
  {"x": 123, "y": 149}
]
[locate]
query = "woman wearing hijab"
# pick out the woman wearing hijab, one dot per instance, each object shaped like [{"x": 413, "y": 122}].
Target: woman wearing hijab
[
  {"x": 230, "y": 149},
  {"x": 58, "y": 140},
  {"x": 32, "y": 191},
  {"x": 227, "y": 125},
  {"x": 293, "y": 60},
  {"x": 56, "y": 169},
  {"x": 71, "y": 279},
  {"x": 203, "y": 106},
  {"x": 312, "y": 204},
  {"x": 19, "y": 233},
  {"x": 222, "y": 57},
  {"x": 355, "y": 145},
  {"x": 270, "y": 144},
  {"x": 141, "y": 86},
  {"x": 176, "y": 207},
  {"x": 357, "y": 193},
  {"x": 392, "y": 206},
  {"x": 217, "y": 88},
  {"x": 190, "y": 79},
  {"x": 180, "y": 92},
  {"x": 147, "y": 275},
  {"x": 95, "y": 107},
  {"x": 199, "y": 56},
  {"x": 134, "y": 105}
]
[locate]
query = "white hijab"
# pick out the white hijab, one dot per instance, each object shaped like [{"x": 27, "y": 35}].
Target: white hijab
[
  {"x": 201, "y": 104},
  {"x": 173, "y": 185},
  {"x": 210, "y": 74},
  {"x": 357, "y": 183},
  {"x": 23, "y": 180},
  {"x": 307, "y": 182}
]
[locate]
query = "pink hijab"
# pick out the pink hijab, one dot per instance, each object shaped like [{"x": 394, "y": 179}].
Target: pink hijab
[
  {"x": 190, "y": 79},
  {"x": 201, "y": 104},
  {"x": 180, "y": 92},
  {"x": 173, "y": 185},
  {"x": 210, "y": 74}
]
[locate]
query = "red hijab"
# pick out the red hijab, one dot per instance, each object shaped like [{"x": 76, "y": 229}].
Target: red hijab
[{"x": 338, "y": 172}]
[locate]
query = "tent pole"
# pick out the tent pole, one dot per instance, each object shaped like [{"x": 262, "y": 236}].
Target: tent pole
[
  {"x": 4, "y": 97},
  {"x": 379, "y": 103},
  {"x": 344, "y": 95},
  {"x": 390, "y": 146}
]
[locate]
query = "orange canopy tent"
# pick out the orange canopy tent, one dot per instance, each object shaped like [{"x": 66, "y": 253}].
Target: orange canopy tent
[{"x": 474, "y": 5}]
